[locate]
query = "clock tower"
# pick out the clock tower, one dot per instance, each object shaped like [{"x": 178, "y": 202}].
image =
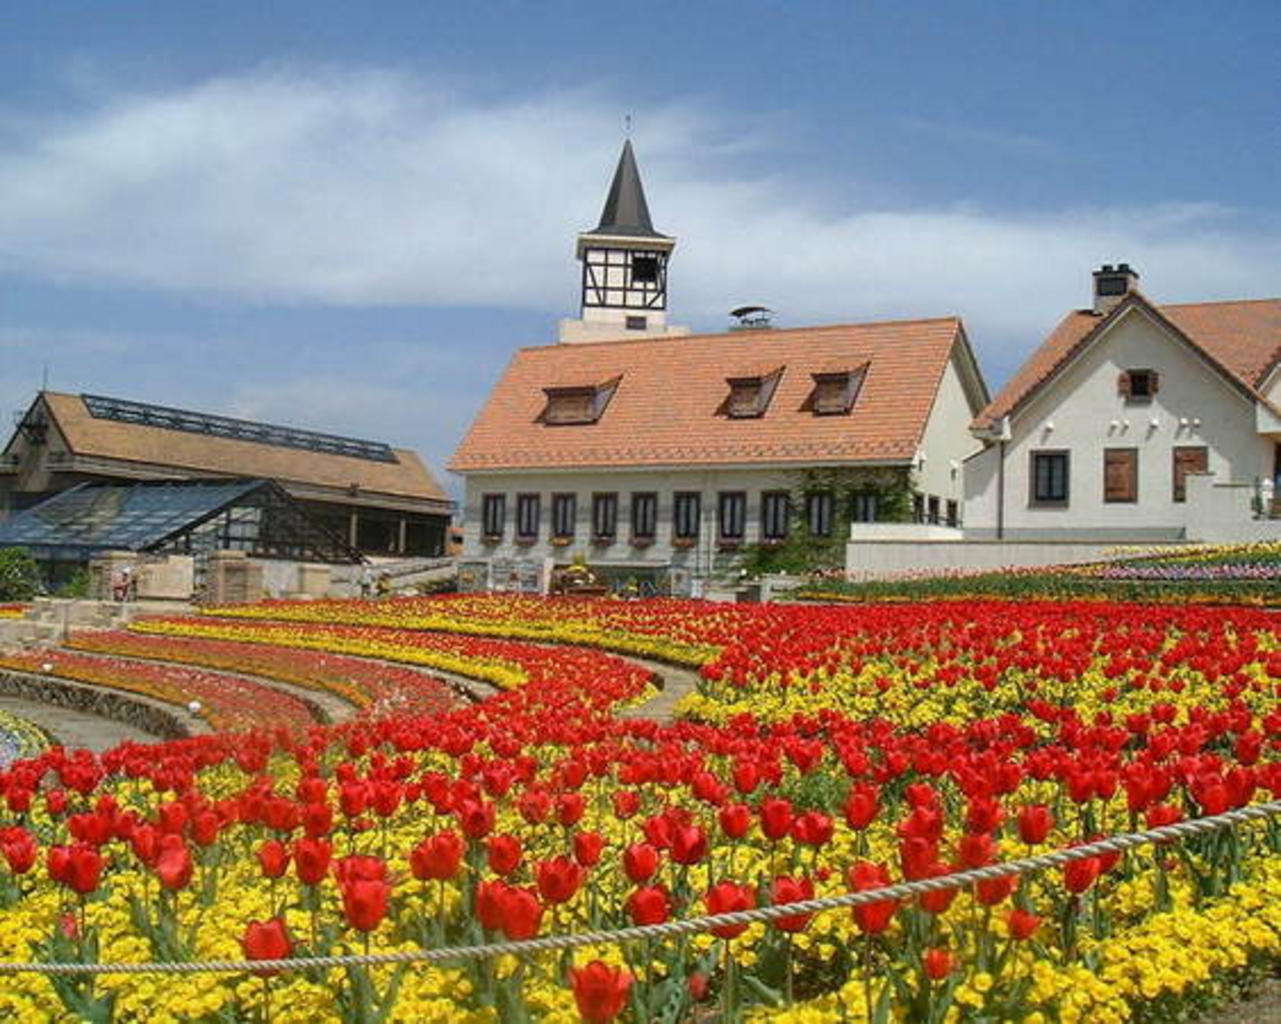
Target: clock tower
[{"x": 624, "y": 267}]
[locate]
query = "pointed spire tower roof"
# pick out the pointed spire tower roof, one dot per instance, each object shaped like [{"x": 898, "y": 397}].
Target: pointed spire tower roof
[{"x": 626, "y": 213}]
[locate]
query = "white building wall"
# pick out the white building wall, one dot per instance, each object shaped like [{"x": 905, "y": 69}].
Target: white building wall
[
  {"x": 1082, "y": 413},
  {"x": 947, "y": 441}
]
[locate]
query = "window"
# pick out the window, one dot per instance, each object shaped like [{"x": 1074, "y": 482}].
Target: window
[
  {"x": 749, "y": 397},
  {"x": 932, "y": 514},
  {"x": 820, "y": 507},
  {"x": 493, "y": 516},
  {"x": 1049, "y": 478},
  {"x": 644, "y": 269},
  {"x": 834, "y": 393},
  {"x": 636, "y": 323},
  {"x": 527, "y": 512},
  {"x": 776, "y": 510},
  {"x": 604, "y": 516},
  {"x": 564, "y": 511},
  {"x": 644, "y": 516},
  {"x": 1138, "y": 386},
  {"x": 686, "y": 513},
  {"x": 731, "y": 515},
  {"x": 1188, "y": 459},
  {"x": 1120, "y": 475},
  {"x": 577, "y": 404},
  {"x": 863, "y": 508},
  {"x": 953, "y": 513}
]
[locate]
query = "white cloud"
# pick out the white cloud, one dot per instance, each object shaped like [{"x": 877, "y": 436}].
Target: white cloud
[{"x": 342, "y": 187}]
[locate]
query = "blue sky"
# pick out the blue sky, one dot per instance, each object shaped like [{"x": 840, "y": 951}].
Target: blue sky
[{"x": 347, "y": 216}]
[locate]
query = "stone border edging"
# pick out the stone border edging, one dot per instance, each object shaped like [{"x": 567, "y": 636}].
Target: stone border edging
[{"x": 148, "y": 716}]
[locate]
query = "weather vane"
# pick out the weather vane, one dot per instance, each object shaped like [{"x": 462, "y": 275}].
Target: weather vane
[{"x": 627, "y": 125}]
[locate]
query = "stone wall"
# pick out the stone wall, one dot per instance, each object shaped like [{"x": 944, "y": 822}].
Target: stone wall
[{"x": 148, "y": 716}]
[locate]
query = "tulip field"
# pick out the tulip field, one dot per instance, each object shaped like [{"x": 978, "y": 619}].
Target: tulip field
[{"x": 824, "y": 749}]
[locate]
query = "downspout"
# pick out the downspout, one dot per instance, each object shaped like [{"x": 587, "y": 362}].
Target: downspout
[{"x": 1000, "y": 492}]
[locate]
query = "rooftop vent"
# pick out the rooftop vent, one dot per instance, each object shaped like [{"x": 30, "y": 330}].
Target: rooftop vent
[
  {"x": 1111, "y": 285},
  {"x": 750, "y": 318}
]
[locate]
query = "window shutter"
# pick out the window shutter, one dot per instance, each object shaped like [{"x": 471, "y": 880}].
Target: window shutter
[
  {"x": 1120, "y": 475},
  {"x": 1123, "y": 384},
  {"x": 1155, "y": 379}
]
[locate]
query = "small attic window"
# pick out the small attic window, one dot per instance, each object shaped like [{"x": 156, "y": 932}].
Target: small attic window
[
  {"x": 749, "y": 397},
  {"x": 834, "y": 393},
  {"x": 577, "y": 404}
]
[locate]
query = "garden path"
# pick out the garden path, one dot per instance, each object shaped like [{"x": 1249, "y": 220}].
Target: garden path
[{"x": 74, "y": 728}]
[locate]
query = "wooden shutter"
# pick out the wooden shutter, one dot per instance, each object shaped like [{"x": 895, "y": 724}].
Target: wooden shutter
[
  {"x": 1120, "y": 475},
  {"x": 1123, "y": 384},
  {"x": 1154, "y": 382},
  {"x": 1188, "y": 460}
]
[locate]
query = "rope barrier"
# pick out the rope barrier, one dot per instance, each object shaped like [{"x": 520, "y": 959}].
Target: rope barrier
[{"x": 899, "y": 891}]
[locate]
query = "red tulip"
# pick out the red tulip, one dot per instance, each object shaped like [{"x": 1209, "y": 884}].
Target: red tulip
[
  {"x": 938, "y": 963},
  {"x": 937, "y": 901},
  {"x": 649, "y": 905},
  {"x": 1022, "y": 924},
  {"x": 587, "y": 848},
  {"x": 570, "y": 808},
  {"x": 626, "y": 803},
  {"x": 813, "y": 828},
  {"x": 1035, "y": 823},
  {"x": 975, "y": 851},
  {"x": 273, "y": 858},
  {"x": 726, "y": 898},
  {"x": 862, "y": 805},
  {"x": 872, "y": 918},
  {"x": 640, "y": 862},
  {"x": 174, "y": 865},
  {"x": 558, "y": 879},
  {"x": 364, "y": 902},
  {"x": 503, "y": 854},
  {"x": 475, "y": 818},
  {"x": 984, "y": 814},
  {"x": 266, "y": 940},
  {"x": 992, "y": 891},
  {"x": 534, "y": 806},
  {"x": 437, "y": 857},
  {"x": 19, "y": 848},
  {"x": 735, "y": 819},
  {"x": 689, "y": 844},
  {"x": 600, "y": 991},
  {"x": 776, "y": 817},
  {"x": 791, "y": 890},
  {"x": 489, "y": 904},
  {"x": 1079, "y": 875},
  {"x": 311, "y": 860},
  {"x": 519, "y": 913}
]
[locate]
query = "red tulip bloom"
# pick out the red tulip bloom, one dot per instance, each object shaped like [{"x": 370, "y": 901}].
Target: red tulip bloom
[
  {"x": 1035, "y": 823},
  {"x": 791, "y": 890},
  {"x": 534, "y": 806},
  {"x": 519, "y": 913},
  {"x": 735, "y": 819},
  {"x": 1022, "y": 924},
  {"x": 626, "y": 803},
  {"x": 1163, "y": 814},
  {"x": 776, "y": 817},
  {"x": 746, "y": 776},
  {"x": 975, "y": 851},
  {"x": 19, "y": 848},
  {"x": 727, "y": 898},
  {"x": 984, "y": 814},
  {"x": 205, "y": 827},
  {"x": 992, "y": 891},
  {"x": 862, "y": 805},
  {"x": 640, "y": 862},
  {"x": 78, "y": 867},
  {"x": 353, "y": 798},
  {"x": 174, "y": 865},
  {"x": 649, "y": 905},
  {"x": 266, "y": 940},
  {"x": 503, "y": 854},
  {"x": 689, "y": 844},
  {"x": 475, "y": 818},
  {"x": 872, "y": 918},
  {"x": 311, "y": 860},
  {"x": 1079, "y": 875},
  {"x": 273, "y": 858},
  {"x": 587, "y": 848},
  {"x": 558, "y": 879},
  {"x": 937, "y": 901},
  {"x": 437, "y": 857},
  {"x": 364, "y": 902},
  {"x": 570, "y": 808},
  {"x": 813, "y": 828},
  {"x": 600, "y": 991},
  {"x": 938, "y": 963},
  {"x": 489, "y": 904}
]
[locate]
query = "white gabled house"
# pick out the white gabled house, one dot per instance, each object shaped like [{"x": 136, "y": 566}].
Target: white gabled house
[{"x": 1136, "y": 422}]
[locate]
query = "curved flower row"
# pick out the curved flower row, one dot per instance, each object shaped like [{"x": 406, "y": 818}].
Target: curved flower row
[
  {"x": 19, "y": 738},
  {"x": 226, "y": 702},
  {"x": 13, "y": 611},
  {"x": 377, "y": 689}
]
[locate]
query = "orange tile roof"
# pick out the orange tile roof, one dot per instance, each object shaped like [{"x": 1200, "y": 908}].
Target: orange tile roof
[
  {"x": 1242, "y": 338},
  {"x": 664, "y": 412},
  {"x": 133, "y": 442}
]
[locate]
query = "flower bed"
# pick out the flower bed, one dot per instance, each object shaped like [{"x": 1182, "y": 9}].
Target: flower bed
[
  {"x": 378, "y": 690},
  {"x": 19, "y": 738},
  {"x": 538, "y": 812},
  {"x": 226, "y": 702},
  {"x": 13, "y": 611}
]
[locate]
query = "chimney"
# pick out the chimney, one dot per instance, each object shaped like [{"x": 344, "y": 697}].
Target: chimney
[{"x": 1112, "y": 285}]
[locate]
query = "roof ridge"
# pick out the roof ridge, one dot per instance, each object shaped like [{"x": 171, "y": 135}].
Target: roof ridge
[
  {"x": 1218, "y": 302},
  {"x": 754, "y": 333}
]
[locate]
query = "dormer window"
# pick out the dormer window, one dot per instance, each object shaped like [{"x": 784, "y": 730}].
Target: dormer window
[
  {"x": 577, "y": 404},
  {"x": 1138, "y": 385},
  {"x": 835, "y": 392},
  {"x": 749, "y": 397}
]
